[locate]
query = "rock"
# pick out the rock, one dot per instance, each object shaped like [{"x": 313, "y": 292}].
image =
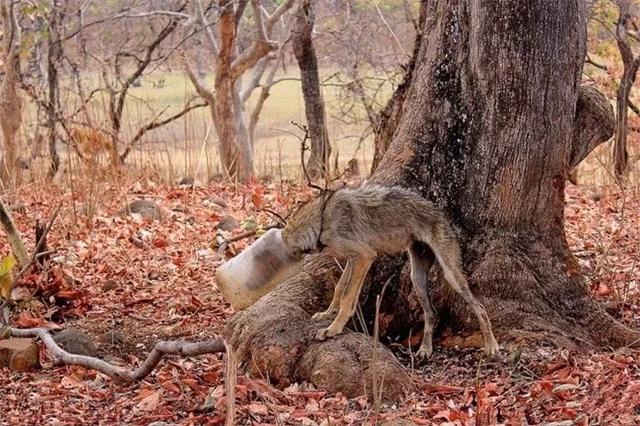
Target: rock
[
  {"x": 19, "y": 354},
  {"x": 5, "y": 332},
  {"x": 186, "y": 183},
  {"x": 76, "y": 342},
  {"x": 228, "y": 223},
  {"x": 109, "y": 285},
  {"x": 147, "y": 209},
  {"x": 214, "y": 199},
  {"x": 113, "y": 338}
]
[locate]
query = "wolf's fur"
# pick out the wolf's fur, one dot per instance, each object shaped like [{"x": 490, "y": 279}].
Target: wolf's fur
[{"x": 372, "y": 220}]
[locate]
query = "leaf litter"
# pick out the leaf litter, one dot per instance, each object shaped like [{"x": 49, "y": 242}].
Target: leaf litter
[{"x": 130, "y": 282}]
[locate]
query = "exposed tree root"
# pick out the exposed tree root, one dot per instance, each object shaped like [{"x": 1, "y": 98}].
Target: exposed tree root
[
  {"x": 153, "y": 359},
  {"x": 274, "y": 338}
]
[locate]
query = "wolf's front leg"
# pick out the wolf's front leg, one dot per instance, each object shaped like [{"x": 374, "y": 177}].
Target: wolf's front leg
[
  {"x": 332, "y": 310},
  {"x": 348, "y": 301}
]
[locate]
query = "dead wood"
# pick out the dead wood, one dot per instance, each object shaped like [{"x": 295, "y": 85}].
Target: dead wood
[{"x": 162, "y": 348}]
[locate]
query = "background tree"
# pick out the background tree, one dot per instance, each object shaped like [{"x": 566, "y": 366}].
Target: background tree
[
  {"x": 490, "y": 140},
  {"x": 10, "y": 101},
  {"x": 227, "y": 99},
  {"x": 612, "y": 65},
  {"x": 318, "y": 162},
  {"x": 626, "y": 29}
]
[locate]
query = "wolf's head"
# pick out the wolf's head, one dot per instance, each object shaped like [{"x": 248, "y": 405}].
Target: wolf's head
[{"x": 303, "y": 229}]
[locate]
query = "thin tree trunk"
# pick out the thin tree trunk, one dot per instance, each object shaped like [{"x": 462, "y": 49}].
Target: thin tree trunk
[
  {"x": 10, "y": 102},
  {"x": 489, "y": 138},
  {"x": 54, "y": 54},
  {"x": 318, "y": 163},
  {"x": 631, "y": 66},
  {"x": 236, "y": 157}
]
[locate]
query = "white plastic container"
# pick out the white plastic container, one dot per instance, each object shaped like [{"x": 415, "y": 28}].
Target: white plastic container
[{"x": 256, "y": 271}]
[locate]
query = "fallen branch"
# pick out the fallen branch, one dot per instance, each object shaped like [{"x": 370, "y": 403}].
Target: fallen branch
[
  {"x": 13, "y": 236},
  {"x": 160, "y": 349},
  {"x": 40, "y": 243}
]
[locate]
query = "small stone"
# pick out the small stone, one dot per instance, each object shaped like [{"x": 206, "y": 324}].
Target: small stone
[
  {"x": 228, "y": 223},
  {"x": 109, "y": 285},
  {"x": 19, "y": 354},
  {"x": 76, "y": 342},
  {"x": 113, "y": 337},
  {"x": 186, "y": 183},
  {"x": 5, "y": 332},
  {"x": 147, "y": 209},
  {"x": 20, "y": 293},
  {"x": 214, "y": 199}
]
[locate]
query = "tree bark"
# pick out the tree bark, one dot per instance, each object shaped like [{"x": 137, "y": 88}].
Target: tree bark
[
  {"x": 318, "y": 163},
  {"x": 54, "y": 55},
  {"x": 10, "y": 102},
  {"x": 235, "y": 160},
  {"x": 630, "y": 69},
  {"x": 489, "y": 131}
]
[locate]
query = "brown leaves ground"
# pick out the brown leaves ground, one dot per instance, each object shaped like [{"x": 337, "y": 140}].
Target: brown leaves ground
[{"x": 130, "y": 283}]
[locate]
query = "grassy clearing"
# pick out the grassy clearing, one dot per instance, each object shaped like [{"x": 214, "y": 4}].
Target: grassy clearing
[{"x": 182, "y": 147}]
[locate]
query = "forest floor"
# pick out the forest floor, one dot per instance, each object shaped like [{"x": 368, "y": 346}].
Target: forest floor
[{"x": 128, "y": 283}]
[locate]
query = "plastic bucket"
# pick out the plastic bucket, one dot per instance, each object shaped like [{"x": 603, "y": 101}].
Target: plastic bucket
[{"x": 256, "y": 271}]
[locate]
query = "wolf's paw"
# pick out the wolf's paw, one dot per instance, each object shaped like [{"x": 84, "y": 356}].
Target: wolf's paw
[
  {"x": 326, "y": 333},
  {"x": 322, "y": 316},
  {"x": 424, "y": 353},
  {"x": 492, "y": 349}
]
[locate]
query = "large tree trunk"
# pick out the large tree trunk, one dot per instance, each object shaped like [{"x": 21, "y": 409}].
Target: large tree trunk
[
  {"x": 318, "y": 163},
  {"x": 493, "y": 119}
]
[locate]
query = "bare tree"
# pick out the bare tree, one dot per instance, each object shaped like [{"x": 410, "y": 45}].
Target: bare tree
[
  {"x": 318, "y": 163},
  {"x": 10, "y": 101},
  {"x": 227, "y": 98},
  {"x": 122, "y": 65},
  {"x": 367, "y": 45},
  {"x": 52, "y": 103},
  {"x": 631, "y": 62}
]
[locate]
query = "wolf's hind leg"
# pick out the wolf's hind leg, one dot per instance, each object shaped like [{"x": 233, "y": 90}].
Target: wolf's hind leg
[
  {"x": 332, "y": 310},
  {"x": 421, "y": 258},
  {"x": 448, "y": 254}
]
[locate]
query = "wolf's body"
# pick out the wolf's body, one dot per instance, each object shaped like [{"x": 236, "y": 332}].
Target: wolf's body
[{"x": 372, "y": 220}]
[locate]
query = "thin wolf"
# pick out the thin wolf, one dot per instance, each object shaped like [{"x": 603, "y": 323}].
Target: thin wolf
[{"x": 372, "y": 220}]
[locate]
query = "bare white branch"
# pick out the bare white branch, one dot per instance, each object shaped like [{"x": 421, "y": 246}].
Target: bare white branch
[{"x": 161, "y": 349}]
